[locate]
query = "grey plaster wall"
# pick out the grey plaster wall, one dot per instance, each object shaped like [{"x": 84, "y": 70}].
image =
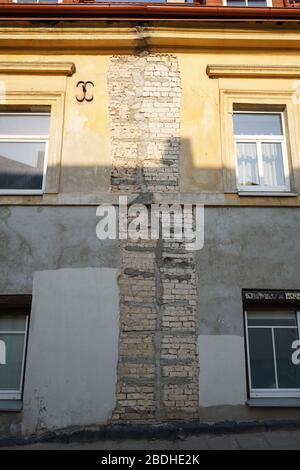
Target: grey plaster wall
[
  {"x": 41, "y": 238},
  {"x": 72, "y": 349},
  {"x": 244, "y": 248}
]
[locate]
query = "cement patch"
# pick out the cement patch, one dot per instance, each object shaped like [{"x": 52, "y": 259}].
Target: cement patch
[
  {"x": 72, "y": 350},
  {"x": 222, "y": 379}
]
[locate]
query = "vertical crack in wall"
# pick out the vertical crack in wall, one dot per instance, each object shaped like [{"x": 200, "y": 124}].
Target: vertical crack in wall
[{"x": 157, "y": 338}]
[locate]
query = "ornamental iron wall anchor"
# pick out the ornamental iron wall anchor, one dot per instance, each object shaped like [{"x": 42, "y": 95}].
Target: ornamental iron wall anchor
[{"x": 84, "y": 91}]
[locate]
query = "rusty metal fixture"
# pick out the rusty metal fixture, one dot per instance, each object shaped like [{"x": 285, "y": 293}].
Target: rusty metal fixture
[{"x": 84, "y": 92}]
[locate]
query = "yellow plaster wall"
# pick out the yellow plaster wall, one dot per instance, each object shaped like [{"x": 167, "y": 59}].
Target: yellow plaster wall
[{"x": 86, "y": 155}]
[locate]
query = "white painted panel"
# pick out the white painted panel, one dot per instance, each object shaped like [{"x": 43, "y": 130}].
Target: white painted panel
[
  {"x": 222, "y": 379},
  {"x": 73, "y": 349}
]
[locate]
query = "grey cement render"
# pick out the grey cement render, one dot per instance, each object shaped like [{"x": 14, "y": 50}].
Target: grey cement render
[
  {"x": 41, "y": 238},
  {"x": 244, "y": 248},
  {"x": 72, "y": 349}
]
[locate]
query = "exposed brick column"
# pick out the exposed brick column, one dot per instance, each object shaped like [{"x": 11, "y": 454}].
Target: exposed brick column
[
  {"x": 144, "y": 110},
  {"x": 179, "y": 360},
  {"x": 158, "y": 365},
  {"x": 136, "y": 367}
]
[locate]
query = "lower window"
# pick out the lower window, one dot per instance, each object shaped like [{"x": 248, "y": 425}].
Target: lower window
[
  {"x": 13, "y": 339},
  {"x": 272, "y": 341}
]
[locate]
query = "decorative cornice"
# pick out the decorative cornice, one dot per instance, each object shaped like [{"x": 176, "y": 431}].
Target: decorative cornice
[
  {"x": 37, "y": 68},
  {"x": 253, "y": 71}
]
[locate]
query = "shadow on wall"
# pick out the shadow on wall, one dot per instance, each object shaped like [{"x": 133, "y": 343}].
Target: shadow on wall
[{"x": 37, "y": 236}]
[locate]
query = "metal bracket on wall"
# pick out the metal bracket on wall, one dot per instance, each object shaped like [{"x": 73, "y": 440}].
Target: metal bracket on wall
[{"x": 84, "y": 91}]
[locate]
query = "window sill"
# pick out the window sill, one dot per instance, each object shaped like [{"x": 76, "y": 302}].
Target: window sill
[
  {"x": 266, "y": 194},
  {"x": 11, "y": 405},
  {"x": 273, "y": 402}
]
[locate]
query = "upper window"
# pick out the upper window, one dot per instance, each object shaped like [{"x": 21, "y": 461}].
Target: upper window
[
  {"x": 272, "y": 338},
  {"x": 37, "y": 1},
  {"x": 14, "y": 312},
  {"x": 23, "y": 151},
  {"x": 260, "y": 150},
  {"x": 248, "y": 3}
]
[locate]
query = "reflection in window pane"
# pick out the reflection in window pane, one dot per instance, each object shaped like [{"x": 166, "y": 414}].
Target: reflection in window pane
[
  {"x": 288, "y": 373},
  {"x": 236, "y": 3},
  {"x": 247, "y": 163},
  {"x": 273, "y": 164},
  {"x": 261, "y": 358},
  {"x": 10, "y": 373},
  {"x": 12, "y": 124},
  {"x": 257, "y": 3},
  {"x": 21, "y": 165},
  {"x": 257, "y": 124},
  {"x": 12, "y": 323},
  {"x": 280, "y": 318}
]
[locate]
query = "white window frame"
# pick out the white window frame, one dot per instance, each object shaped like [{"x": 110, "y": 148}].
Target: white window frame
[
  {"x": 270, "y": 392},
  {"x": 258, "y": 140},
  {"x": 27, "y": 138},
  {"x": 269, "y": 3},
  {"x": 17, "y": 394}
]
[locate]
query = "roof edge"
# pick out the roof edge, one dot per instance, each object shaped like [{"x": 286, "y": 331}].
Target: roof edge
[{"x": 143, "y": 11}]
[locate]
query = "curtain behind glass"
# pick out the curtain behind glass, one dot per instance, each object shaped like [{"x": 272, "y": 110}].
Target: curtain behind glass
[
  {"x": 273, "y": 164},
  {"x": 247, "y": 163}
]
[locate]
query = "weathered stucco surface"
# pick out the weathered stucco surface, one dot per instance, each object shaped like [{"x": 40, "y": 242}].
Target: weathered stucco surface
[
  {"x": 154, "y": 130},
  {"x": 244, "y": 248},
  {"x": 41, "y": 238},
  {"x": 72, "y": 349}
]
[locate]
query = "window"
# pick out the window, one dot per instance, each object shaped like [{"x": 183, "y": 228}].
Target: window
[
  {"x": 260, "y": 151},
  {"x": 23, "y": 151},
  {"x": 14, "y": 312},
  {"x": 271, "y": 337},
  {"x": 248, "y": 3},
  {"x": 37, "y": 1}
]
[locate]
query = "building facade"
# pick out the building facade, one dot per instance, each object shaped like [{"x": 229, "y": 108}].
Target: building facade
[{"x": 187, "y": 104}]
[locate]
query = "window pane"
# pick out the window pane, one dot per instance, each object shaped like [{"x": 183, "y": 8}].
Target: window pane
[
  {"x": 10, "y": 373},
  {"x": 280, "y": 318},
  {"x": 261, "y": 358},
  {"x": 288, "y": 373},
  {"x": 24, "y": 124},
  {"x": 21, "y": 165},
  {"x": 236, "y": 3},
  {"x": 273, "y": 164},
  {"x": 12, "y": 323},
  {"x": 257, "y": 3},
  {"x": 257, "y": 124},
  {"x": 247, "y": 163}
]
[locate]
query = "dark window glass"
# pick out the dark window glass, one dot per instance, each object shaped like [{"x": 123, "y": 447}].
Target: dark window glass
[{"x": 261, "y": 358}]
